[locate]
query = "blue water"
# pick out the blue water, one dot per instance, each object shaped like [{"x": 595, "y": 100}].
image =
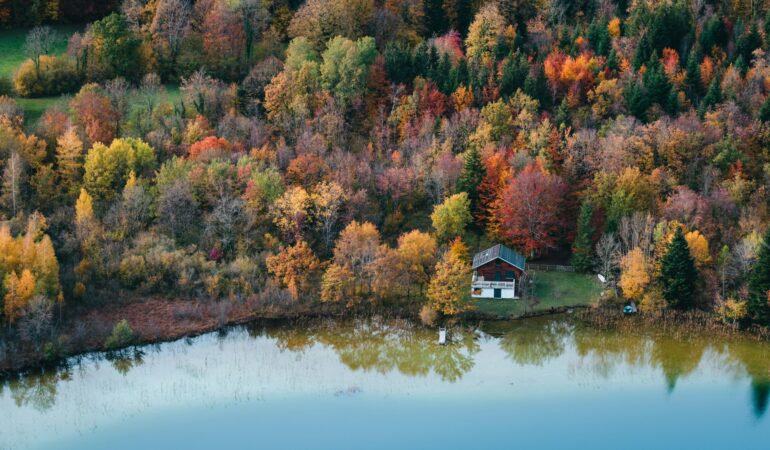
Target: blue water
[{"x": 384, "y": 385}]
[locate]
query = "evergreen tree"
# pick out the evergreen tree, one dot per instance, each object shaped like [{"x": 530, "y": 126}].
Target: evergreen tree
[
  {"x": 764, "y": 111},
  {"x": 758, "y": 307},
  {"x": 612, "y": 61},
  {"x": 692, "y": 76},
  {"x": 713, "y": 96},
  {"x": 562, "y": 116},
  {"x": 514, "y": 74},
  {"x": 714, "y": 34},
  {"x": 678, "y": 273},
  {"x": 442, "y": 76},
  {"x": 398, "y": 63},
  {"x": 583, "y": 248},
  {"x": 435, "y": 21},
  {"x": 471, "y": 177},
  {"x": 636, "y": 100},
  {"x": 656, "y": 82},
  {"x": 745, "y": 46},
  {"x": 460, "y": 74},
  {"x": 421, "y": 60}
]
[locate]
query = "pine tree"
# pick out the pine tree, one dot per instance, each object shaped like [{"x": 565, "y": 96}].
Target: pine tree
[
  {"x": 636, "y": 100},
  {"x": 471, "y": 177},
  {"x": 713, "y": 97},
  {"x": 759, "y": 285},
  {"x": 656, "y": 82},
  {"x": 764, "y": 111},
  {"x": 583, "y": 248},
  {"x": 692, "y": 77},
  {"x": 678, "y": 273}
]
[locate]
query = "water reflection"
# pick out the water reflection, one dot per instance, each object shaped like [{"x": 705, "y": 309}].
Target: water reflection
[
  {"x": 125, "y": 360},
  {"x": 559, "y": 348},
  {"x": 381, "y": 345},
  {"x": 37, "y": 389},
  {"x": 534, "y": 342}
]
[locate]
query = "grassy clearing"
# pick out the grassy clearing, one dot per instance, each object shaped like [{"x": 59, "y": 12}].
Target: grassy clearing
[
  {"x": 552, "y": 290},
  {"x": 12, "y": 46},
  {"x": 35, "y": 107}
]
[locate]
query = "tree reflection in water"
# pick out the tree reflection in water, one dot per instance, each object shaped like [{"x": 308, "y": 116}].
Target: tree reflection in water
[
  {"x": 535, "y": 341},
  {"x": 125, "y": 360},
  {"x": 37, "y": 389},
  {"x": 382, "y": 345}
]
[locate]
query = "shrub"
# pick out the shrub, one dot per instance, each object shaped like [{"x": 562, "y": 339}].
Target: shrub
[
  {"x": 57, "y": 75},
  {"x": 122, "y": 336}
]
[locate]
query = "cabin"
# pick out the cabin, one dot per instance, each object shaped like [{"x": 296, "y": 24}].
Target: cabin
[{"x": 496, "y": 273}]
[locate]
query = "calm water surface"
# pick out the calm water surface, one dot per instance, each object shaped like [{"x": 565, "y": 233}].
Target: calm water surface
[{"x": 373, "y": 384}]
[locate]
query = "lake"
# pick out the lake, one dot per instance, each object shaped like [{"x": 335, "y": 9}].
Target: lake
[{"x": 385, "y": 384}]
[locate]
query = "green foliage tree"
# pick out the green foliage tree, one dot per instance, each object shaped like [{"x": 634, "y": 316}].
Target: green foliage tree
[
  {"x": 678, "y": 274},
  {"x": 759, "y": 285},
  {"x": 452, "y": 216},
  {"x": 122, "y": 335},
  {"x": 116, "y": 47},
  {"x": 471, "y": 177},
  {"x": 107, "y": 168},
  {"x": 583, "y": 258}
]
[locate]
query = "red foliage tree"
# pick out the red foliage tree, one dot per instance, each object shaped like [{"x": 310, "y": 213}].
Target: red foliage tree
[
  {"x": 530, "y": 213},
  {"x": 95, "y": 114},
  {"x": 211, "y": 147}
]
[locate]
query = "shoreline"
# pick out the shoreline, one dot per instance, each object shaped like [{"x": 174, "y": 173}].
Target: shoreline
[{"x": 157, "y": 321}]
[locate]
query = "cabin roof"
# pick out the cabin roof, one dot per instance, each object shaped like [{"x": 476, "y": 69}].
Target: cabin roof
[{"x": 502, "y": 252}]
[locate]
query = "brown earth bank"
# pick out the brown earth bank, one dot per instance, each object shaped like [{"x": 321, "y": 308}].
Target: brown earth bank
[{"x": 84, "y": 329}]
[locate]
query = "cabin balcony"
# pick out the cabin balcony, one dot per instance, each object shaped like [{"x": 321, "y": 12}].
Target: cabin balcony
[
  {"x": 492, "y": 284},
  {"x": 481, "y": 288}
]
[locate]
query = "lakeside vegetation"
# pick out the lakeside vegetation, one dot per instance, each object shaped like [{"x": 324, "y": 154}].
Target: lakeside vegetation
[{"x": 243, "y": 152}]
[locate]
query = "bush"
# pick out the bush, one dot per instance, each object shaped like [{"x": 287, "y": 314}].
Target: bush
[
  {"x": 58, "y": 75},
  {"x": 122, "y": 336}
]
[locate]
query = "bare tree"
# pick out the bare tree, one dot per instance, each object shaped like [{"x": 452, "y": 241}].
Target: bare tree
[
  {"x": 172, "y": 18},
  {"x": 637, "y": 231},
  {"x": 608, "y": 253},
  {"x": 40, "y": 41},
  {"x": 177, "y": 209},
  {"x": 12, "y": 179},
  {"x": 36, "y": 320}
]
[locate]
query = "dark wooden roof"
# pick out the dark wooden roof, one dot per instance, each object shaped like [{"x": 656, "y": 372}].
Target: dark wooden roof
[{"x": 502, "y": 252}]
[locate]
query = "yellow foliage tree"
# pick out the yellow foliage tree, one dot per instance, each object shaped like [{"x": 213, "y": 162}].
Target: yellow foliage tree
[
  {"x": 416, "y": 253},
  {"x": 634, "y": 275},
  {"x": 84, "y": 208},
  {"x": 449, "y": 286},
  {"x": 699, "y": 248},
  {"x": 18, "y": 292},
  {"x": 295, "y": 267},
  {"x": 69, "y": 160}
]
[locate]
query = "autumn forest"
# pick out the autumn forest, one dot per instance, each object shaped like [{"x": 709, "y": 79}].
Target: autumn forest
[{"x": 242, "y": 156}]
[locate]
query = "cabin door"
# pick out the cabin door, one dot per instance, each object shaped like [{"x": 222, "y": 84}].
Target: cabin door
[{"x": 498, "y": 293}]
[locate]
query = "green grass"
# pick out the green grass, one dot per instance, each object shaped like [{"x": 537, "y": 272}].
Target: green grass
[
  {"x": 552, "y": 290},
  {"x": 35, "y": 107},
  {"x": 12, "y": 46}
]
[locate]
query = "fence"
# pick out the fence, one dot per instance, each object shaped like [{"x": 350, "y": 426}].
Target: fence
[{"x": 550, "y": 267}]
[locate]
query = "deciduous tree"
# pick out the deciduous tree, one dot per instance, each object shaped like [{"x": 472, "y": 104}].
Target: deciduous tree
[{"x": 531, "y": 210}]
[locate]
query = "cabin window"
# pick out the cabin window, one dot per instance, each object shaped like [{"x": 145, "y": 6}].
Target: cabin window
[
  {"x": 497, "y": 276},
  {"x": 509, "y": 275}
]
